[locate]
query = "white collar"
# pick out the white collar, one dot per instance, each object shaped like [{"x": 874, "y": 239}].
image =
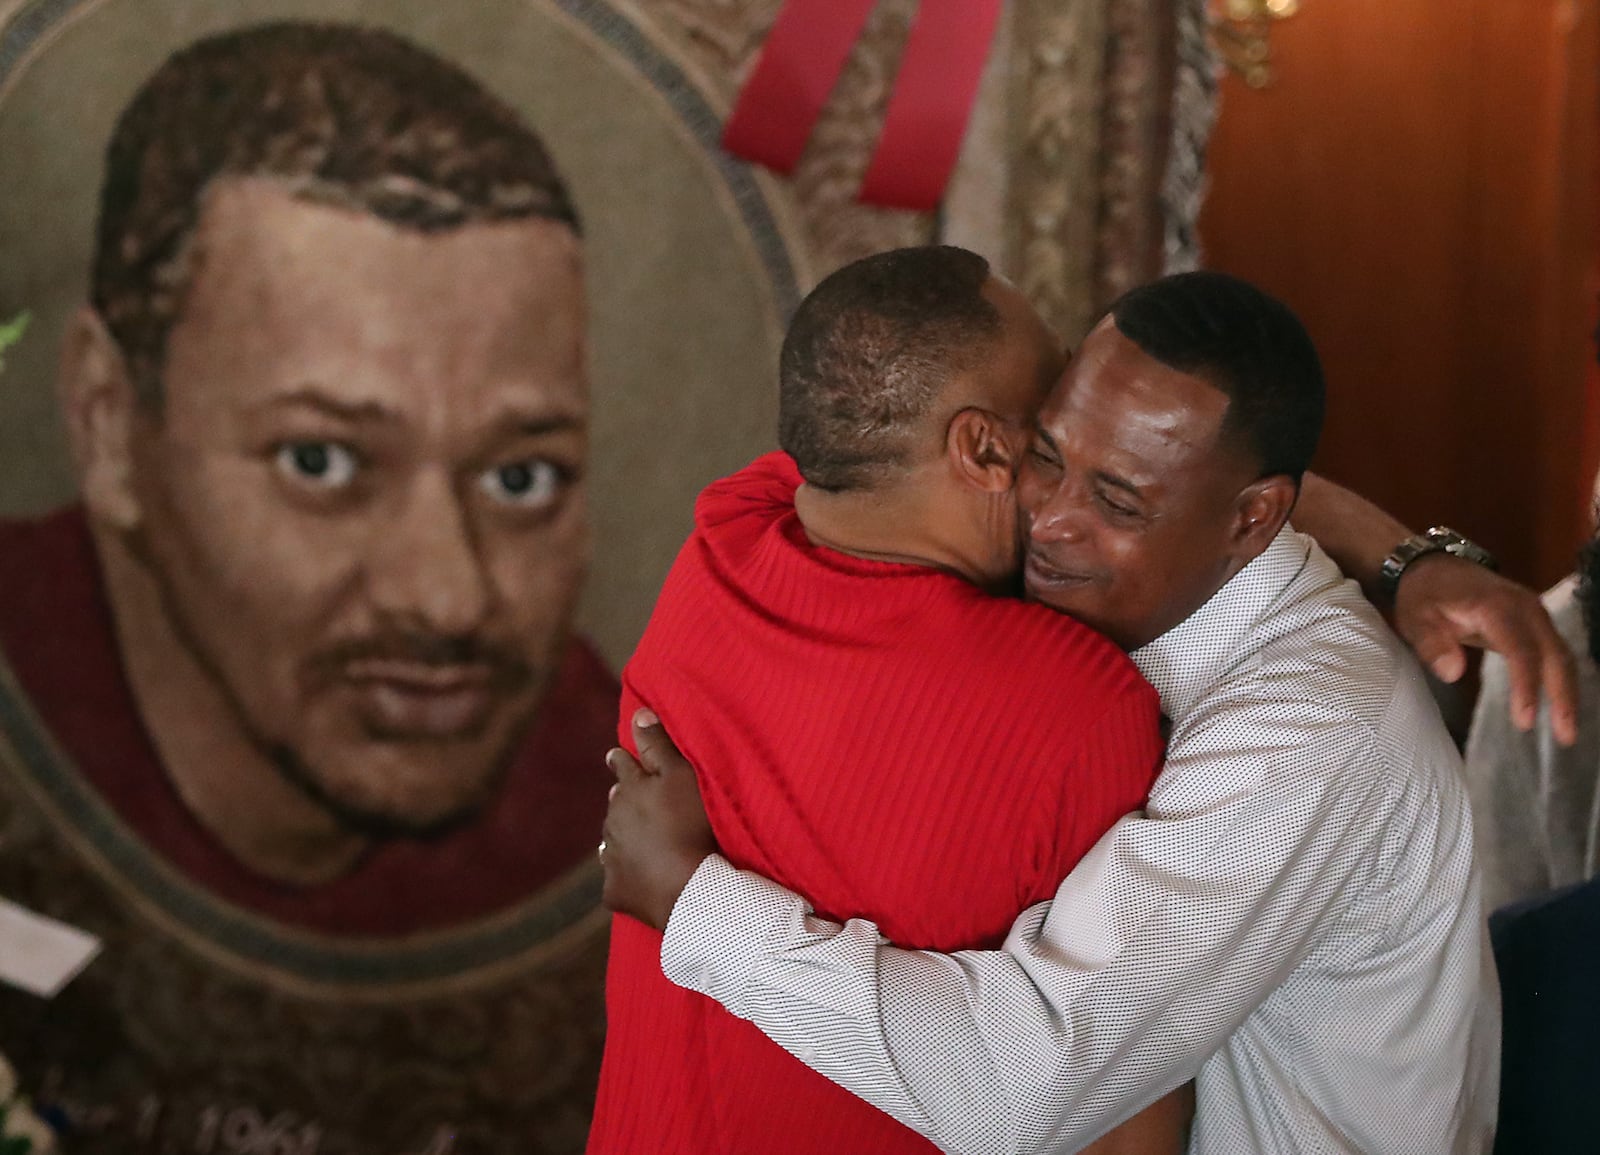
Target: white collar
[{"x": 1186, "y": 661}]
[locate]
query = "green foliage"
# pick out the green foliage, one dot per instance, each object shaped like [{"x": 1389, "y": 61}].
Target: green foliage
[{"x": 10, "y": 333}]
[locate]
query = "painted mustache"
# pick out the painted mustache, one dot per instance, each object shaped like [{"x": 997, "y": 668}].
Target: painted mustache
[
  {"x": 424, "y": 656},
  {"x": 421, "y": 686},
  {"x": 413, "y": 687}
]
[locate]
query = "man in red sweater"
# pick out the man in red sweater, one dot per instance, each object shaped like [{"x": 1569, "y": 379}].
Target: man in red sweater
[{"x": 850, "y": 579}]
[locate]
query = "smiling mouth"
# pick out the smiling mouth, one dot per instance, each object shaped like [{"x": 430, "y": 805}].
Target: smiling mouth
[{"x": 1040, "y": 573}]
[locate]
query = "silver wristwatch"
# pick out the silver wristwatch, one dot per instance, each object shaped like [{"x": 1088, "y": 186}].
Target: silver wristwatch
[{"x": 1439, "y": 539}]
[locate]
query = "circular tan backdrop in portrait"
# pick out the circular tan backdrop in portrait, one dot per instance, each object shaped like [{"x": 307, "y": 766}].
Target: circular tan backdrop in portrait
[{"x": 689, "y": 274}]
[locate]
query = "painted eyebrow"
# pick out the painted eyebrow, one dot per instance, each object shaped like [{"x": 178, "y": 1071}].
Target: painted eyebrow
[
  {"x": 540, "y": 424},
  {"x": 525, "y": 424},
  {"x": 312, "y": 397}
]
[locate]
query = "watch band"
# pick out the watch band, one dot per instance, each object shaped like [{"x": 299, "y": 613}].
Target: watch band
[{"x": 1438, "y": 539}]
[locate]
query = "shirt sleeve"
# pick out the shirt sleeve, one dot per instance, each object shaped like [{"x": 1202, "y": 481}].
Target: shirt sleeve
[{"x": 1158, "y": 945}]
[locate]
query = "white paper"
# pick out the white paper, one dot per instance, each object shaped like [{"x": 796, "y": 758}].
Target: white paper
[{"x": 41, "y": 955}]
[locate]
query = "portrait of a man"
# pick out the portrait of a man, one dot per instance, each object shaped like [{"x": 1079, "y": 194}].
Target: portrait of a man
[{"x": 329, "y": 406}]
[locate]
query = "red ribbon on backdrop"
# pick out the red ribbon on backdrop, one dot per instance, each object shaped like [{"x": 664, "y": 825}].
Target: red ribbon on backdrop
[
  {"x": 932, "y": 100},
  {"x": 804, "y": 55},
  {"x": 928, "y": 109}
]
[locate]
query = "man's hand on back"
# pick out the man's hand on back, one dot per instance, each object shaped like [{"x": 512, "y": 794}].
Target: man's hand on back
[
  {"x": 656, "y": 831},
  {"x": 1444, "y": 604}
]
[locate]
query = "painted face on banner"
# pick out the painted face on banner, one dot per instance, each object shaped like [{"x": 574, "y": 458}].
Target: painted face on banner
[{"x": 363, "y": 494}]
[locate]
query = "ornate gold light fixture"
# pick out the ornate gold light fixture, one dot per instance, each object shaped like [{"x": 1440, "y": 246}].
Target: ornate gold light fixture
[{"x": 1242, "y": 28}]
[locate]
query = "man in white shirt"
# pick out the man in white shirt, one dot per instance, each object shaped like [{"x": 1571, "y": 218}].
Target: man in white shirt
[{"x": 1294, "y": 920}]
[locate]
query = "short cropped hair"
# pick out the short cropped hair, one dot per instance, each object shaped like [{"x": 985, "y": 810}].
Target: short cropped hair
[
  {"x": 1247, "y": 344},
  {"x": 867, "y": 354},
  {"x": 341, "y": 114}
]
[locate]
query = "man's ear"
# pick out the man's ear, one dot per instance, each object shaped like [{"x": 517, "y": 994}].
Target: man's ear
[
  {"x": 97, "y": 399},
  {"x": 1260, "y": 511},
  {"x": 979, "y": 446}
]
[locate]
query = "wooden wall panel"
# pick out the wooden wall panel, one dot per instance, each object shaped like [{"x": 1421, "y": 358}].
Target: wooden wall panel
[{"x": 1420, "y": 184}]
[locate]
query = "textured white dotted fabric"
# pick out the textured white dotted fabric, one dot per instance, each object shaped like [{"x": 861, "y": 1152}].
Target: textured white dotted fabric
[{"x": 1294, "y": 922}]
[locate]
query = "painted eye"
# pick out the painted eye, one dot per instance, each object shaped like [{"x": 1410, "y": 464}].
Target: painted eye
[
  {"x": 323, "y": 464},
  {"x": 531, "y": 484}
]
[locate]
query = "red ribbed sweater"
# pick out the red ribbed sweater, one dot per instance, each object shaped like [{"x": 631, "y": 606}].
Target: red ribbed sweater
[{"x": 884, "y": 739}]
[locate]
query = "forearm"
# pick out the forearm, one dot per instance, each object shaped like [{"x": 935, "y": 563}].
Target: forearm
[{"x": 1356, "y": 534}]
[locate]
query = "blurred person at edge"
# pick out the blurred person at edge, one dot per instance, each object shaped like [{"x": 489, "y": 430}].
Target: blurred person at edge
[{"x": 1535, "y": 803}]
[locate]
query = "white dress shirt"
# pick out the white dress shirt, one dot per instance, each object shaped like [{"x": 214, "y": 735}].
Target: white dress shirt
[
  {"x": 1294, "y": 921},
  {"x": 1537, "y": 802}
]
